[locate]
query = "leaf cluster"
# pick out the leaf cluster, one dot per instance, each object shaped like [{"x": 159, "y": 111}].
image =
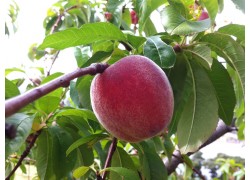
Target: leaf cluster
[{"x": 206, "y": 72}]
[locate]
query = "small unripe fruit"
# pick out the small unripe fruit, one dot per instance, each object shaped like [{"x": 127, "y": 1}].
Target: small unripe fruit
[
  {"x": 133, "y": 99},
  {"x": 134, "y": 18},
  {"x": 108, "y": 16},
  {"x": 203, "y": 16}
]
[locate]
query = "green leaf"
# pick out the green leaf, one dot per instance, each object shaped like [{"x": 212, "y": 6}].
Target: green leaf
[
  {"x": 97, "y": 57},
  {"x": 239, "y": 4},
  {"x": 81, "y": 55},
  {"x": 235, "y": 30},
  {"x": 175, "y": 23},
  {"x": 47, "y": 104},
  {"x": 106, "y": 46},
  {"x": 158, "y": 51},
  {"x": 152, "y": 164},
  {"x": 116, "y": 7},
  {"x": 221, "y": 5},
  {"x": 124, "y": 172},
  {"x": 10, "y": 70},
  {"x": 51, "y": 161},
  {"x": 199, "y": 117},
  {"x": 83, "y": 89},
  {"x": 224, "y": 91},
  {"x": 87, "y": 34},
  {"x": 81, "y": 171},
  {"x": 88, "y": 139},
  {"x": 149, "y": 28},
  {"x": 23, "y": 124},
  {"x": 230, "y": 50},
  {"x": 146, "y": 8},
  {"x": 201, "y": 53},
  {"x": 11, "y": 89},
  {"x": 168, "y": 146},
  {"x": 121, "y": 159},
  {"x": 212, "y": 8},
  {"x": 83, "y": 113},
  {"x": 136, "y": 41},
  {"x": 181, "y": 90}
]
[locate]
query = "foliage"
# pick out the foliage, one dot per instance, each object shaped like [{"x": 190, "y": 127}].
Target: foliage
[{"x": 205, "y": 66}]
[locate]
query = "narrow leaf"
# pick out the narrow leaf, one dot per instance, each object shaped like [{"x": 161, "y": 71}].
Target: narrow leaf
[
  {"x": 87, "y": 34},
  {"x": 121, "y": 159},
  {"x": 88, "y": 139},
  {"x": 230, "y": 50},
  {"x": 199, "y": 117},
  {"x": 161, "y": 53},
  {"x": 81, "y": 171},
  {"x": 152, "y": 164},
  {"x": 175, "y": 23},
  {"x": 224, "y": 91},
  {"x": 124, "y": 172}
]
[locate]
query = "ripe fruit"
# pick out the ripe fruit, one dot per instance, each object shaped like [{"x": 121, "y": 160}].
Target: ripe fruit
[
  {"x": 134, "y": 18},
  {"x": 203, "y": 16},
  {"x": 133, "y": 99}
]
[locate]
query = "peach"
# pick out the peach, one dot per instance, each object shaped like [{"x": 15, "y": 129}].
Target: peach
[{"x": 133, "y": 99}]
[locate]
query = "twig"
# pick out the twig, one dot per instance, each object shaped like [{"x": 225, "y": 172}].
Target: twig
[
  {"x": 53, "y": 29},
  {"x": 24, "y": 155},
  {"x": 111, "y": 151},
  {"x": 53, "y": 61},
  {"x": 191, "y": 167},
  {"x": 221, "y": 129},
  {"x": 13, "y": 105}
]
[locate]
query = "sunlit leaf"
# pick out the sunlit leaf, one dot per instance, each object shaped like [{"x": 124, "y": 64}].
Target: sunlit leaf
[
  {"x": 175, "y": 23},
  {"x": 81, "y": 171},
  {"x": 11, "y": 89},
  {"x": 87, "y": 34}
]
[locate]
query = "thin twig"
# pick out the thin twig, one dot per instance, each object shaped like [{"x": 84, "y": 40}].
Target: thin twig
[
  {"x": 53, "y": 61},
  {"x": 111, "y": 151},
  {"x": 176, "y": 159},
  {"x": 24, "y": 155},
  {"x": 53, "y": 29},
  {"x": 191, "y": 167},
  {"x": 13, "y": 105}
]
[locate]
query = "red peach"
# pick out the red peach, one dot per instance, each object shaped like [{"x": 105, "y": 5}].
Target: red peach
[
  {"x": 133, "y": 99},
  {"x": 134, "y": 18}
]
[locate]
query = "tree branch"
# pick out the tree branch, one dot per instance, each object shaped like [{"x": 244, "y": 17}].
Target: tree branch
[
  {"x": 13, "y": 105},
  {"x": 221, "y": 129},
  {"x": 111, "y": 151},
  {"x": 24, "y": 155}
]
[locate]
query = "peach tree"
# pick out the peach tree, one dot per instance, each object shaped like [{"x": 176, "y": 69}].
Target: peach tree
[{"x": 53, "y": 125}]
